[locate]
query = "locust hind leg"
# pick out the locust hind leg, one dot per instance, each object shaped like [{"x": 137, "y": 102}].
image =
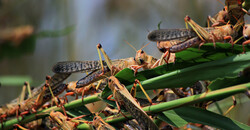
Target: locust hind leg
[
  {"x": 38, "y": 101},
  {"x": 29, "y": 89},
  {"x": 163, "y": 57},
  {"x": 70, "y": 87},
  {"x": 135, "y": 68},
  {"x": 17, "y": 126},
  {"x": 69, "y": 94},
  {"x": 51, "y": 92},
  {"x": 107, "y": 59},
  {"x": 21, "y": 99},
  {"x": 243, "y": 45},
  {"x": 133, "y": 90},
  {"x": 112, "y": 68},
  {"x": 230, "y": 108},
  {"x": 201, "y": 32},
  {"x": 57, "y": 101},
  {"x": 117, "y": 104},
  {"x": 22, "y": 95},
  {"x": 210, "y": 19},
  {"x": 119, "y": 109}
]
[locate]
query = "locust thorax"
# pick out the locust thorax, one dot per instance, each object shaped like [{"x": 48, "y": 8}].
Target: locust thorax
[
  {"x": 228, "y": 30},
  {"x": 141, "y": 57},
  {"x": 72, "y": 85},
  {"x": 221, "y": 32},
  {"x": 163, "y": 46}
]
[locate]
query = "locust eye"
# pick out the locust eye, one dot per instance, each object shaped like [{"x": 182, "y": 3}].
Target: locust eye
[
  {"x": 142, "y": 51},
  {"x": 109, "y": 80},
  {"x": 141, "y": 60},
  {"x": 162, "y": 49},
  {"x": 246, "y": 37},
  {"x": 59, "y": 102},
  {"x": 223, "y": 9},
  {"x": 95, "y": 118},
  {"x": 231, "y": 26},
  {"x": 245, "y": 27}
]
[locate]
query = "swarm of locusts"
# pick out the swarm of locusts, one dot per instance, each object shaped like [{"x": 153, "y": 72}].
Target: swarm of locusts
[{"x": 49, "y": 101}]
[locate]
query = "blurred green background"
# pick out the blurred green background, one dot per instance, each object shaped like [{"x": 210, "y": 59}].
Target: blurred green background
[{"x": 70, "y": 30}]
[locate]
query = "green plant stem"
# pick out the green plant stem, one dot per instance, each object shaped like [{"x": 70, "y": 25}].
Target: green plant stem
[
  {"x": 214, "y": 95},
  {"x": 43, "y": 113}
]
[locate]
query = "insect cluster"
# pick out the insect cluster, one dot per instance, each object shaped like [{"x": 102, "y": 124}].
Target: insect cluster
[{"x": 51, "y": 109}]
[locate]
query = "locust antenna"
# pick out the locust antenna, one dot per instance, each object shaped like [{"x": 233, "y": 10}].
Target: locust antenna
[
  {"x": 220, "y": 2},
  {"x": 238, "y": 24},
  {"x": 144, "y": 46},
  {"x": 130, "y": 45},
  {"x": 105, "y": 76}
]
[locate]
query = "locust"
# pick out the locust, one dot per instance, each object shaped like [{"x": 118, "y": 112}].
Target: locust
[
  {"x": 124, "y": 98},
  {"x": 231, "y": 13},
  {"x": 131, "y": 125},
  {"x": 99, "y": 124},
  {"x": 203, "y": 35},
  {"x": 54, "y": 81},
  {"x": 179, "y": 38},
  {"x": 218, "y": 34},
  {"x": 221, "y": 18},
  {"x": 87, "y": 90},
  {"x": 235, "y": 11},
  {"x": 246, "y": 35},
  {"x": 36, "y": 100},
  {"x": 62, "y": 121},
  {"x": 108, "y": 111},
  {"x": 141, "y": 60}
]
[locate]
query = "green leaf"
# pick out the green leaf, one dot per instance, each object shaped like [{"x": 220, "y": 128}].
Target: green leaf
[
  {"x": 173, "y": 118},
  {"x": 222, "y": 106},
  {"x": 207, "y": 53},
  {"x": 159, "y": 25},
  {"x": 230, "y": 66},
  {"x": 226, "y": 82},
  {"x": 56, "y": 33},
  {"x": 81, "y": 111},
  {"x": 27, "y": 46},
  {"x": 14, "y": 80},
  {"x": 181, "y": 116}
]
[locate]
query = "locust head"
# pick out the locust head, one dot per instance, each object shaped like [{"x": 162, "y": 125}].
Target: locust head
[
  {"x": 111, "y": 82},
  {"x": 114, "y": 84},
  {"x": 97, "y": 120},
  {"x": 246, "y": 31},
  {"x": 222, "y": 18},
  {"x": 140, "y": 57}
]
